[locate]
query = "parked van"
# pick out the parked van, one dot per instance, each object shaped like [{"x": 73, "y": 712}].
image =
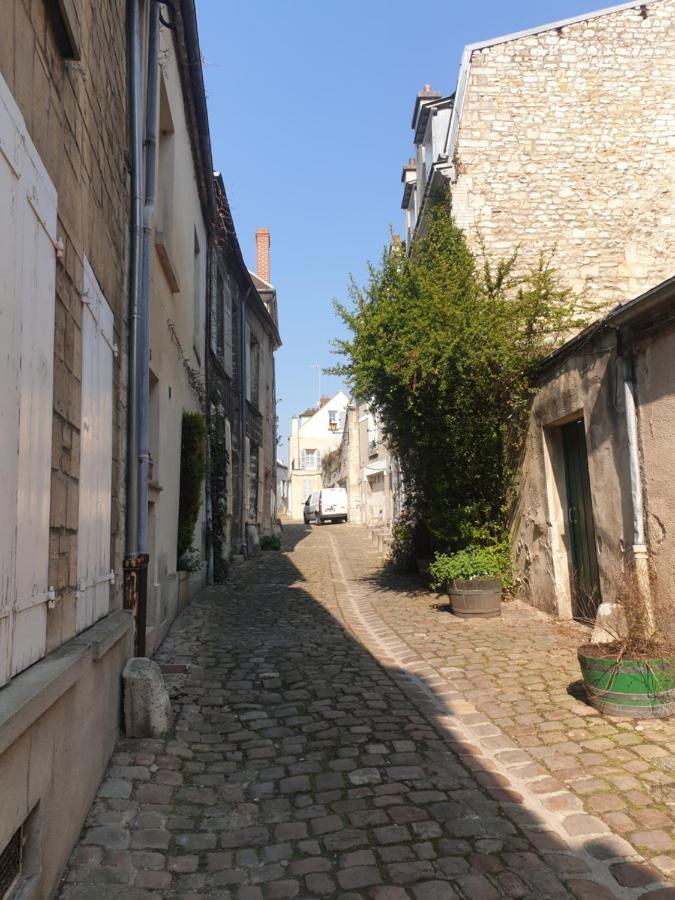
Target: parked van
[{"x": 332, "y": 505}]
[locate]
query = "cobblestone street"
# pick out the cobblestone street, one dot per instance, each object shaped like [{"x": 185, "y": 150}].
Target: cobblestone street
[{"x": 339, "y": 733}]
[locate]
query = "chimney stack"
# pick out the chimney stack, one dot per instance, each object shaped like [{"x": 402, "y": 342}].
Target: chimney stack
[{"x": 262, "y": 244}]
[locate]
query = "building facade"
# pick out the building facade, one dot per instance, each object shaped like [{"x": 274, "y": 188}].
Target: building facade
[
  {"x": 597, "y": 489},
  {"x": 64, "y": 213},
  {"x": 538, "y": 152},
  {"x": 363, "y": 464},
  {"x": 314, "y": 434}
]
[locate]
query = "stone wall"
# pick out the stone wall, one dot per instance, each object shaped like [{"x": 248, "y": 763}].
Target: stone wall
[
  {"x": 75, "y": 113},
  {"x": 566, "y": 143}
]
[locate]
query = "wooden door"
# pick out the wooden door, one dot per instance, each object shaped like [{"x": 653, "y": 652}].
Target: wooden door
[{"x": 580, "y": 520}]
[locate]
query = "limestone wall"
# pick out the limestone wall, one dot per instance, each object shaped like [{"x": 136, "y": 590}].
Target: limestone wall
[{"x": 566, "y": 141}]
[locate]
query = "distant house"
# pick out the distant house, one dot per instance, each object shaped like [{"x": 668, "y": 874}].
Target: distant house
[
  {"x": 314, "y": 433},
  {"x": 364, "y": 465}
]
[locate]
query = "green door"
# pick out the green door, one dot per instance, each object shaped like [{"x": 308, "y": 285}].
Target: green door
[{"x": 580, "y": 519}]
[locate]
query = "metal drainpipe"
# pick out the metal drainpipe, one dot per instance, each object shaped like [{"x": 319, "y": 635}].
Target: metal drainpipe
[
  {"x": 242, "y": 424},
  {"x": 132, "y": 589},
  {"x": 640, "y": 550},
  {"x": 150, "y": 144},
  {"x": 140, "y": 454},
  {"x": 136, "y": 148}
]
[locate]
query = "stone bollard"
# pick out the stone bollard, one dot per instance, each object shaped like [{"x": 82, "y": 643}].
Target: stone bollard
[{"x": 147, "y": 708}]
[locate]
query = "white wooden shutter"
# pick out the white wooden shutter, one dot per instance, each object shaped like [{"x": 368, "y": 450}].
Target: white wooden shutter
[
  {"x": 93, "y": 535},
  {"x": 28, "y": 203}
]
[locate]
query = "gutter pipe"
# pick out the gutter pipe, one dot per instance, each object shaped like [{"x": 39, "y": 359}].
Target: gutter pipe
[
  {"x": 150, "y": 147},
  {"x": 640, "y": 549},
  {"x": 136, "y": 150}
]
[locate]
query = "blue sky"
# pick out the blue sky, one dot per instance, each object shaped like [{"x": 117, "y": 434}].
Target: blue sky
[{"x": 310, "y": 104}]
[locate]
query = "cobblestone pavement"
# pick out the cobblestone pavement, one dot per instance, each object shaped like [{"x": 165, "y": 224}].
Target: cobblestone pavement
[{"x": 338, "y": 734}]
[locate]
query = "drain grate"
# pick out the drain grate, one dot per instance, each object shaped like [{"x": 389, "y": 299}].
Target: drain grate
[{"x": 10, "y": 863}]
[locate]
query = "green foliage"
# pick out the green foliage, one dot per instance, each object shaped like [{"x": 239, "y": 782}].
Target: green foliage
[
  {"x": 193, "y": 460},
  {"x": 402, "y": 550},
  {"x": 472, "y": 562},
  {"x": 270, "y": 542},
  {"x": 190, "y": 561},
  {"x": 445, "y": 347}
]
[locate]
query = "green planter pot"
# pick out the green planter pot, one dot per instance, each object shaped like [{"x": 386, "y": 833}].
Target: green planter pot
[
  {"x": 476, "y": 598},
  {"x": 642, "y": 689}
]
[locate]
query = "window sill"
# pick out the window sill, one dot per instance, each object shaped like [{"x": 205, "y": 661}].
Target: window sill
[
  {"x": 31, "y": 693},
  {"x": 162, "y": 247}
]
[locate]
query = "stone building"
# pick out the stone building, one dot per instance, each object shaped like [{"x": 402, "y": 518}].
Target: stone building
[
  {"x": 597, "y": 486},
  {"x": 363, "y": 464},
  {"x": 243, "y": 337},
  {"x": 177, "y": 311},
  {"x": 560, "y": 140},
  {"x": 64, "y": 214},
  {"x": 315, "y": 433}
]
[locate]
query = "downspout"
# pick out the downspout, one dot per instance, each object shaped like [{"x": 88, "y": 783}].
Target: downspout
[
  {"x": 640, "y": 550},
  {"x": 150, "y": 146},
  {"x": 136, "y": 148},
  {"x": 141, "y": 385},
  {"x": 135, "y": 151},
  {"x": 242, "y": 417}
]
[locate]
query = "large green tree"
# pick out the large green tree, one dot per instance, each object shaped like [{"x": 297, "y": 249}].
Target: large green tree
[{"x": 445, "y": 346}]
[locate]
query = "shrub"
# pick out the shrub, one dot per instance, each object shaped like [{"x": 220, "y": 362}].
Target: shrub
[
  {"x": 270, "y": 542},
  {"x": 193, "y": 460},
  {"x": 190, "y": 561},
  {"x": 472, "y": 562},
  {"x": 445, "y": 345}
]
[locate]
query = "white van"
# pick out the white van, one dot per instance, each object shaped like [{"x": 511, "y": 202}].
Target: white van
[{"x": 332, "y": 506}]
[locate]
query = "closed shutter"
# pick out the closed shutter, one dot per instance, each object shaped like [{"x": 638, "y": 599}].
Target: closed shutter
[
  {"x": 229, "y": 499},
  {"x": 247, "y": 361},
  {"x": 27, "y": 292},
  {"x": 227, "y": 322},
  {"x": 93, "y": 536}
]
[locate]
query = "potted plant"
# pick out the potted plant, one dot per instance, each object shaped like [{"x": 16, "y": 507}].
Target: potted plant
[
  {"x": 633, "y": 673},
  {"x": 473, "y": 578}
]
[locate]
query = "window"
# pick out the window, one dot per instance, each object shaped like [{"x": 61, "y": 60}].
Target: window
[
  {"x": 218, "y": 319},
  {"x": 27, "y": 294},
  {"x": 197, "y": 302},
  {"x": 310, "y": 459},
  {"x": 165, "y": 179},
  {"x": 253, "y": 481},
  {"x": 332, "y": 420},
  {"x": 96, "y": 450},
  {"x": 252, "y": 369}
]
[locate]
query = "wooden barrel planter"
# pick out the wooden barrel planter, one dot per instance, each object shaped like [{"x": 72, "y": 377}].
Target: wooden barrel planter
[
  {"x": 637, "y": 688},
  {"x": 477, "y": 598}
]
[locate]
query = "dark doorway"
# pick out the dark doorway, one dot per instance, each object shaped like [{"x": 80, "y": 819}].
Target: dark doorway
[{"x": 580, "y": 518}]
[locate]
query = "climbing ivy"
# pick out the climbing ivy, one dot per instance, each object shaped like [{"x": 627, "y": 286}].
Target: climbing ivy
[
  {"x": 445, "y": 346},
  {"x": 193, "y": 462}
]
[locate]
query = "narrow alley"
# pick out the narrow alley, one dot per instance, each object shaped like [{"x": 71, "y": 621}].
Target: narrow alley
[{"x": 338, "y": 733}]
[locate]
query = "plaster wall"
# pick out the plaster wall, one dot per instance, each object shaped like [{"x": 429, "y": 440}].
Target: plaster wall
[
  {"x": 182, "y": 230},
  {"x": 586, "y": 385},
  {"x": 547, "y": 152},
  {"x": 656, "y": 409},
  {"x": 313, "y": 434}
]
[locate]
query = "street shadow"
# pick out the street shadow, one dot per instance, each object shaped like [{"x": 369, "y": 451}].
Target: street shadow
[{"x": 287, "y": 728}]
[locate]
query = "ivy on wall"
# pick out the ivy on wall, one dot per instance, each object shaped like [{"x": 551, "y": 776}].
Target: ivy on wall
[
  {"x": 445, "y": 346},
  {"x": 193, "y": 464}
]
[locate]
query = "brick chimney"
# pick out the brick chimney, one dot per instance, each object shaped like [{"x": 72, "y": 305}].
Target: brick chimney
[{"x": 262, "y": 245}]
